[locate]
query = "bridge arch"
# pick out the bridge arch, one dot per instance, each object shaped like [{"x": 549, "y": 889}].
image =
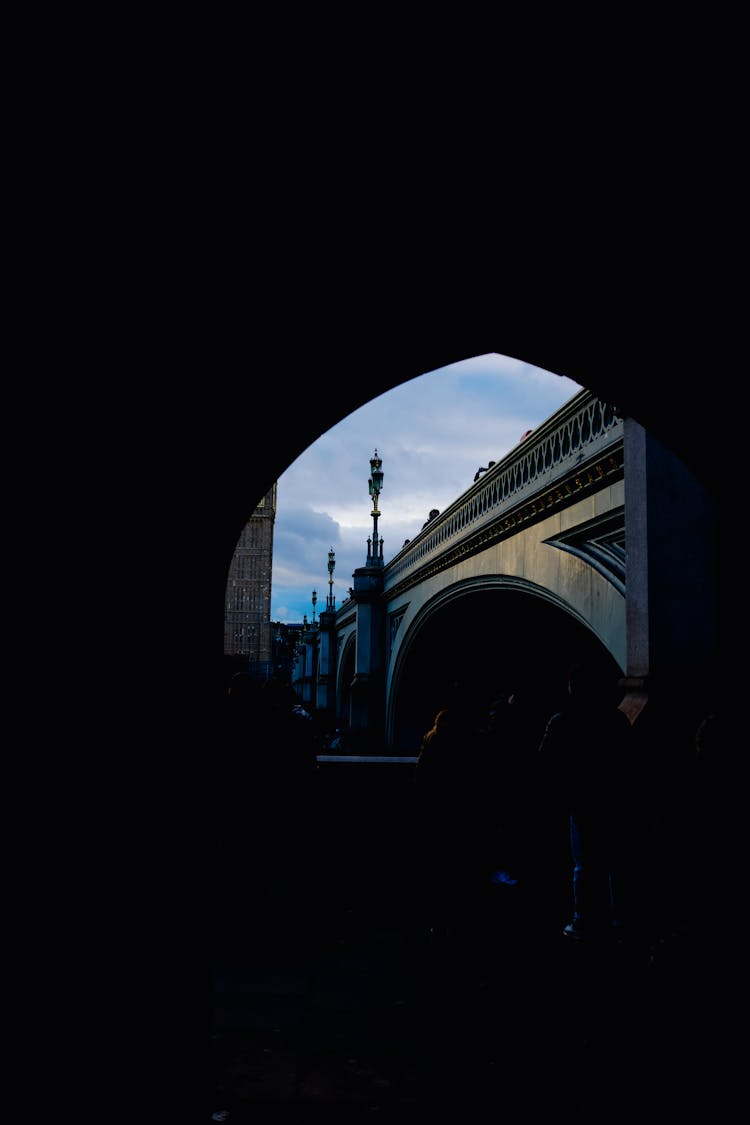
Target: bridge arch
[
  {"x": 344, "y": 677},
  {"x": 489, "y": 634}
]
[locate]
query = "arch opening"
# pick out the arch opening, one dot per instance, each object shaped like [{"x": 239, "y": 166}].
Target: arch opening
[{"x": 488, "y": 642}]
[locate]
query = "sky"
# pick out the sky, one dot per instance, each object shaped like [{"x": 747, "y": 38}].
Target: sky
[{"x": 432, "y": 434}]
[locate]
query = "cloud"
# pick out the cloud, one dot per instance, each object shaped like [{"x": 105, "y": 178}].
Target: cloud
[{"x": 433, "y": 433}]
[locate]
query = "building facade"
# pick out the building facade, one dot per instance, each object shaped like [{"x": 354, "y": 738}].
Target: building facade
[
  {"x": 247, "y": 603},
  {"x": 285, "y": 638}
]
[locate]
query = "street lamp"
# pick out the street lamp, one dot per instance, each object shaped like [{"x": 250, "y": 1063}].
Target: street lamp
[
  {"x": 375, "y": 556},
  {"x": 331, "y": 565}
]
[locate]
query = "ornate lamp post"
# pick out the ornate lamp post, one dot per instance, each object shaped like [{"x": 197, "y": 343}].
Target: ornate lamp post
[
  {"x": 375, "y": 550},
  {"x": 331, "y": 565},
  {"x": 366, "y": 700}
]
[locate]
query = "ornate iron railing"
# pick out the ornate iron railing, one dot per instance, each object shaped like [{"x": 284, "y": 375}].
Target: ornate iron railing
[{"x": 579, "y": 446}]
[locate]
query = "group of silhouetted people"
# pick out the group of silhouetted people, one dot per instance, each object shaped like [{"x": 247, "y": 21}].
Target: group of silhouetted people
[
  {"x": 500, "y": 796},
  {"x": 509, "y": 796}
]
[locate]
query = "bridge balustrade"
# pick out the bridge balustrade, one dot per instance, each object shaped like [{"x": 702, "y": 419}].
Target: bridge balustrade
[{"x": 573, "y": 438}]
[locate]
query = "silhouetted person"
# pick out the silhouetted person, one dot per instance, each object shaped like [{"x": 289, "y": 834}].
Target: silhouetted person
[
  {"x": 483, "y": 469},
  {"x": 698, "y": 963},
  {"x": 508, "y": 742},
  {"x": 713, "y": 813},
  {"x": 290, "y": 735},
  {"x": 436, "y": 757},
  {"x": 445, "y": 779},
  {"x": 587, "y": 762},
  {"x": 693, "y": 835},
  {"x": 234, "y": 763},
  {"x": 265, "y": 803}
]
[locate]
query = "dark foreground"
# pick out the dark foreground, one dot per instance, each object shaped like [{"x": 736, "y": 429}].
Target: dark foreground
[{"x": 342, "y": 992}]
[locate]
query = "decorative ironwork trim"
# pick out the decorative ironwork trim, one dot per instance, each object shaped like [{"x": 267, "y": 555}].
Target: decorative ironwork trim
[
  {"x": 395, "y": 620},
  {"x": 600, "y": 543}
]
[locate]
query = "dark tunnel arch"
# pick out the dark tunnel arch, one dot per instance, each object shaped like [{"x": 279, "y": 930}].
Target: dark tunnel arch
[{"x": 629, "y": 299}]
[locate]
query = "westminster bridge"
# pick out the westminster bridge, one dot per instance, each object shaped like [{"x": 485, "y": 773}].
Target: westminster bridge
[{"x": 588, "y": 540}]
